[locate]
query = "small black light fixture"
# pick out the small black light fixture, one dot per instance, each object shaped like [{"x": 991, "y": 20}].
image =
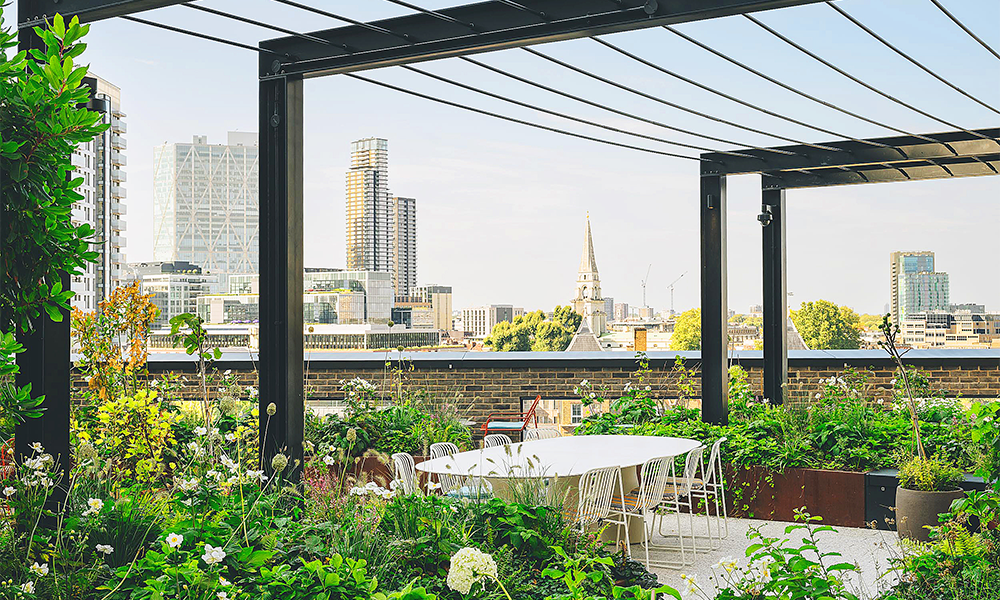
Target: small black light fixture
[{"x": 765, "y": 216}]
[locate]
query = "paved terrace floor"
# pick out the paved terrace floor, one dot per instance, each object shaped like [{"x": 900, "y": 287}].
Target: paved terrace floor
[{"x": 867, "y": 548}]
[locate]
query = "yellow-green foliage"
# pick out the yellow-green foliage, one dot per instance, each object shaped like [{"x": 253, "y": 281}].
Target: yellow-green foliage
[
  {"x": 132, "y": 432},
  {"x": 957, "y": 541},
  {"x": 928, "y": 475}
]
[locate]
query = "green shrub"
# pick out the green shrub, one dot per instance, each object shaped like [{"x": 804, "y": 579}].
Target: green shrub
[{"x": 928, "y": 475}]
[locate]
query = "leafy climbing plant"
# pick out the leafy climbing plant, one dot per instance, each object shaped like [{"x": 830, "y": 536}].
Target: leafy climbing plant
[{"x": 41, "y": 121}]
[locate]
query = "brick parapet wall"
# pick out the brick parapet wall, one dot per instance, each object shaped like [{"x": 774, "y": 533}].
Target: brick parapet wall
[{"x": 482, "y": 383}]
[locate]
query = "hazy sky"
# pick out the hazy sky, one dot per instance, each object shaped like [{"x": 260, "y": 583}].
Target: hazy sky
[{"x": 501, "y": 207}]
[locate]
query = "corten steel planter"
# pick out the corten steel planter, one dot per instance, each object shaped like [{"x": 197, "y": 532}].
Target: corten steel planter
[
  {"x": 759, "y": 493},
  {"x": 916, "y": 510},
  {"x": 370, "y": 468}
]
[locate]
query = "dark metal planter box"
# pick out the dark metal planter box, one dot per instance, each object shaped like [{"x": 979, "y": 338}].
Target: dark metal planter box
[
  {"x": 759, "y": 493},
  {"x": 880, "y": 496}
]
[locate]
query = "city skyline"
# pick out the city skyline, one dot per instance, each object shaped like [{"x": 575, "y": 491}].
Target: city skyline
[{"x": 505, "y": 202}]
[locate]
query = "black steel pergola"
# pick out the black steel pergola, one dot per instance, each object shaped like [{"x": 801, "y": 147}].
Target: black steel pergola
[{"x": 461, "y": 31}]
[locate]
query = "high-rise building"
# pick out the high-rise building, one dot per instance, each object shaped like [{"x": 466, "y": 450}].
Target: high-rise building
[
  {"x": 205, "y": 205},
  {"x": 919, "y": 292},
  {"x": 915, "y": 285},
  {"x": 588, "y": 301},
  {"x": 439, "y": 297},
  {"x": 101, "y": 164},
  {"x": 621, "y": 311},
  {"x": 370, "y": 237},
  {"x": 899, "y": 264},
  {"x": 404, "y": 211},
  {"x": 175, "y": 286},
  {"x": 480, "y": 319},
  {"x": 381, "y": 228},
  {"x": 609, "y": 308}
]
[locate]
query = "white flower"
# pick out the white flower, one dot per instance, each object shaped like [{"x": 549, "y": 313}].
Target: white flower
[
  {"x": 358, "y": 491},
  {"x": 692, "y": 584},
  {"x": 818, "y": 395},
  {"x": 222, "y": 596},
  {"x": 174, "y": 540},
  {"x": 200, "y": 431},
  {"x": 9, "y": 491},
  {"x": 227, "y": 372},
  {"x": 37, "y": 447},
  {"x": 468, "y": 566},
  {"x": 105, "y": 548},
  {"x": 213, "y": 474},
  {"x": 223, "y": 581},
  {"x": 372, "y": 485},
  {"x": 95, "y": 505},
  {"x": 252, "y": 474},
  {"x": 40, "y": 570},
  {"x": 28, "y": 588},
  {"x": 212, "y": 555},
  {"x": 584, "y": 383},
  {"x": 229, "y": 463},
  {"x": 187, "y": 485},
  {"x": 230, "y": 437},
  {"x": 433, "y": 485},
  {"x": 329, "y": 460},
  {"x": 728, "y": 563}
]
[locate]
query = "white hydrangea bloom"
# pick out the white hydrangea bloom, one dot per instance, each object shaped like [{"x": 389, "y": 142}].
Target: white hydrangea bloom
[{"x": 468, "y": 566}]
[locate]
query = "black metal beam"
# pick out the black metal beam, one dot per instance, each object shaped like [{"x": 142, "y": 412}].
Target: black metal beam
[
  {"x": 714, "y": 302},
  {"x": 976, "y": 166},
  {"x": 34, "y": 12},
  {"x": 281, "y": 267},
  {"x": 775, "y": 295},
  {"x": 946, "y": 145},
  {"x": 495, "y": 26}
]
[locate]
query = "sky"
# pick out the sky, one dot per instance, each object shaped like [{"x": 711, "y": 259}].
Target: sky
[{"x": 501, "y": 207}]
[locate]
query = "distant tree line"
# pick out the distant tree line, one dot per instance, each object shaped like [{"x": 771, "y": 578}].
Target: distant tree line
[{"x": 532, "y": 332}]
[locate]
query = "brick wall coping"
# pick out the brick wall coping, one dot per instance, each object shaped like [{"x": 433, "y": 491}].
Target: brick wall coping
[{"x": 833, "y": 359}]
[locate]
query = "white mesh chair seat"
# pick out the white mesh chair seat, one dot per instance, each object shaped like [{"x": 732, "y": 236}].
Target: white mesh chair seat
[
  {"x": 654, "y": 474},
  {"x": 496, "y": 439},
  {"x": 675, "y": 498},
  {"x": 541, "y": 434},
  {"x": 404, "y": 472},
  {"x": 459, "y": 485}
]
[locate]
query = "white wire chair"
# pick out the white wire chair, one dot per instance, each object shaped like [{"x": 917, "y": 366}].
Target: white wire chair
[
  {"x": 496, "y": 439},
  {"x": 596, "y": 489},
  {"x": 677, "y": 496},
  {"x": 405, "y": 472},
  {"x": 459, "y": 485},
  {"x": 656, "y": 473},
  {"x": 541, "y": 434},
  {"x": 712, "y": 487}
]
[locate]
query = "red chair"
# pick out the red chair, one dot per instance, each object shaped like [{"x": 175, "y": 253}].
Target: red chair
[{"x": 509, "y": 422}]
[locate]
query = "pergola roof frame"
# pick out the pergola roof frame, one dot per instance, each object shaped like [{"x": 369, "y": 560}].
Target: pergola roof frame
[{"x": 461, "y": 31}]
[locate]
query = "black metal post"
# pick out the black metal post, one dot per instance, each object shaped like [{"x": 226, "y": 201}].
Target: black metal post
[
  {"x": 45, "y": 365},
  {"x": 775, "y": 295},
  {"x": 281, "y": 343},
  {"x": 714, "y": 302}
]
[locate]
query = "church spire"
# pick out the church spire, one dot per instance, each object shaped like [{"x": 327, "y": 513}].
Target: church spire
[{"x": 588, "y": 263}]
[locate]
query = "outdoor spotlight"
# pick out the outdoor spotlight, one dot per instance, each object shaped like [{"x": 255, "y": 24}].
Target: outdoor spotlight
[{"x": 765, "y": 216}]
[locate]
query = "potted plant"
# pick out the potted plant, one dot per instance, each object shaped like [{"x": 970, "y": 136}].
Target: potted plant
[{"x": 927, "y": 487}]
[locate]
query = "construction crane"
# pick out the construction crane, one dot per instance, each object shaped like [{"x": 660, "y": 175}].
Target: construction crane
[
  {"x": 671, "y": 288},
  {"x": 644, "y": 285}
]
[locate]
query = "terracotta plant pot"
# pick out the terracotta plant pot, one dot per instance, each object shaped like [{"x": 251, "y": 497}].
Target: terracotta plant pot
[{"x": 915, "y": 510}]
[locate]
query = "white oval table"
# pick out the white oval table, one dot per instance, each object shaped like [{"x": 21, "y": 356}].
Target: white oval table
[{"x": 564, "y": 459}]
